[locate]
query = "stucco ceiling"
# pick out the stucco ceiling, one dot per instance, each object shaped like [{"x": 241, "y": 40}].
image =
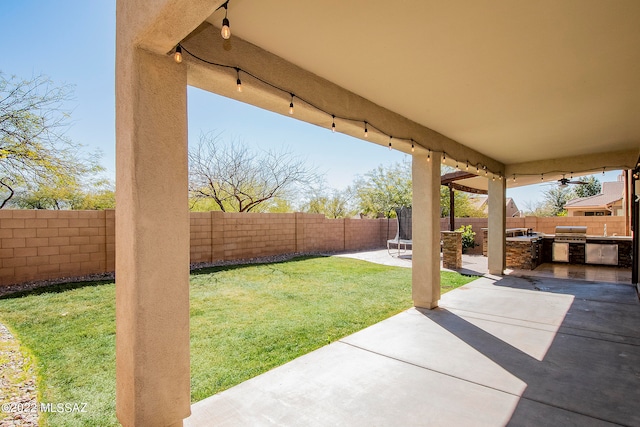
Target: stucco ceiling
[{"x": 515, "y": 80}]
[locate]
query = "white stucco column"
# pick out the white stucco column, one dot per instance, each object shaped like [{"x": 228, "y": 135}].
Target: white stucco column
[
  {"x": 426, "y": 230},
  {"x": 152, "y": 240},
  {"x": 497, "y": 226}
]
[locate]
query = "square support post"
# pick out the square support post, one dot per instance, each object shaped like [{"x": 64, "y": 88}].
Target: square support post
[
  {"x": 152, "y": 240},
  {"x": 497, "y": 201},
  {"x": 426, "y": 230}
]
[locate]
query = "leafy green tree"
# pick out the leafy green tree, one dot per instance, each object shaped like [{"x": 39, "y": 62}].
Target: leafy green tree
[
  {"x": 66, "y": 193},
  {"x": 464, "y": 208},
  {"x": 238, "y": 179},
  {"x": 335, "y": 204},
  {"x": 591, "y": 188},
  {"x": 35, "y": 154},
  {"x": 384, "y": 188}
]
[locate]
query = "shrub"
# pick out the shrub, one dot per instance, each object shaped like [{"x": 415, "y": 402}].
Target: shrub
[{"x": 468, "y": 237}]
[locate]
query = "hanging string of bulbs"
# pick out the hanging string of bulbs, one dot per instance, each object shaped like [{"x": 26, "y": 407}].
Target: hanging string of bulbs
[
  {"x": 225, "y": 32},
  {"x": 513, "y": 178},
  {"x": 293, "y": 98}
]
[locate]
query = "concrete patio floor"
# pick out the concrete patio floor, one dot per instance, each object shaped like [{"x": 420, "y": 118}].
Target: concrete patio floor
[{"x": 498, "y": 351}]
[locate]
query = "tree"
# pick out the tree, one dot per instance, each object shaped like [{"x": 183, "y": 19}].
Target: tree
[
  {"x": 591, "y": 188},
  {"x": 237, "y": 179},
  {"x": 384, "y": 188},
  {"x": 555, "y": 198},
  {"x": 332, "y": 204},
  {"x": 34, "y": 152}
]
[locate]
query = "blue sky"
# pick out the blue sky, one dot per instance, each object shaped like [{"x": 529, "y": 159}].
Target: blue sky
[{"x": 73, "y": 42}]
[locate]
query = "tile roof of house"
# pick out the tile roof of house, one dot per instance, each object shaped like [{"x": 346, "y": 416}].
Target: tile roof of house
[{"x": 611, "y": 192}]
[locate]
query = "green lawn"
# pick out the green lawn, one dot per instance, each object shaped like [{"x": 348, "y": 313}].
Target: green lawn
[{"x": 245, "y": 320}]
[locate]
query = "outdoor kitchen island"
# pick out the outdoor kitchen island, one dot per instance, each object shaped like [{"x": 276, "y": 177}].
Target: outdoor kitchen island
[{"x": 526, "y": 249}]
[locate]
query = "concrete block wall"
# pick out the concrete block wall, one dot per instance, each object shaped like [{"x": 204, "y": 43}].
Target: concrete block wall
[
  {"x": 594, "y": 224},
  {"x": 251, "y": 235},
  {"x": 41, "y": 244}
]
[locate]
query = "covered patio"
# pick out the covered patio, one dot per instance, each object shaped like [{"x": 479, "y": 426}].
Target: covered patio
[
  {"x": 515, "y": 92},
  {"x": 496, "y": 352}
]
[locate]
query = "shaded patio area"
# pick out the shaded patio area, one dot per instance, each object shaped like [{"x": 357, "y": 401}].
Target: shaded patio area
[{"x": 495, "y": 352}]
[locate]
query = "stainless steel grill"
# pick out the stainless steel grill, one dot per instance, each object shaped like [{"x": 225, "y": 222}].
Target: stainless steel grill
[{"x": 570, "y": 234}]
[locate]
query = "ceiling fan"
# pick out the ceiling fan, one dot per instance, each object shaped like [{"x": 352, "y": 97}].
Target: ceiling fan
[{"x": 564, "y": 182}]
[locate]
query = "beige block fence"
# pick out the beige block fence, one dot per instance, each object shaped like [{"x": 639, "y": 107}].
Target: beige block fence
[
  {"x": 595, "y": 225},
  {"x": 44, "y": 244}
]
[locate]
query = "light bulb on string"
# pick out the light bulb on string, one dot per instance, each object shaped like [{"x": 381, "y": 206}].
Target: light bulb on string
[
  {"x": 225, "y": 31},
  {"x": 457, "y": 164},
  {"x": 390, "y": 138},
  {"x": 238, "y": 81},
  {"x": 603, "y": 171},
  {"x": 444, "y": 157},
  {"x": 541, "y": 177},
  {"x": 486, "y": 171},
  {"x": 291, "y": 104},
  {"x": 413, "y": 148},
  {"x": 366, "y": 130},
  {"x": 333, "y": 123},
  {"x": 514, "y": 177},
  {"x": 429, "y": 156},
  {"x": 477, "y": 169},
  {"x": 467, "y": 167},
  {"x": 177, "y": 56}
]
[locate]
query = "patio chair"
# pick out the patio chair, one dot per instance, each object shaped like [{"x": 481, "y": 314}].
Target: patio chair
[{"x": 403, "y": 231}]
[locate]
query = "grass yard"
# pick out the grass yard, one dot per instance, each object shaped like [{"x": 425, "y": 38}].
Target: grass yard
[{"x": 245, "y": 320}]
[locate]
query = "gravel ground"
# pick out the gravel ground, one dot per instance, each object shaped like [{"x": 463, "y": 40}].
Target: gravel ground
[{"x": 17, "y": 384}]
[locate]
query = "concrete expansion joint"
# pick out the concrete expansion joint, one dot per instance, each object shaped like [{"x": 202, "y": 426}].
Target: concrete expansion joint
[{"x": 477, "y": 383}]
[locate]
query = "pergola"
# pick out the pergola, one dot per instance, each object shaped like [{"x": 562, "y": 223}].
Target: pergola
[{"x": 515, "y": 91}]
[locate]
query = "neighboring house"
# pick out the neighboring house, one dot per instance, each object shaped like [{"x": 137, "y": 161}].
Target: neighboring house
[
  {"x": 608, "y": 203},
  {"x": 479, "y": 201}
]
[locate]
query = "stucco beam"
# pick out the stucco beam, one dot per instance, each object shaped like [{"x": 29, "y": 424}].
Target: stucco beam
[
  {"x": 158, "y": 25},
  {"x": 530, "y": 172},
  {"x": 206, "y": 42}
]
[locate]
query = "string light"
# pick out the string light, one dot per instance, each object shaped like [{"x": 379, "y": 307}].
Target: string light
[
  {"x": 177, "y": 56},
  {"x": 486, "y": 171},
  {"x": 514, "y": 177},
  {"x": 500, "y": 177},
  {"x": 541, "y": 177},
  {"x": 603, "y": 171},
  {"x": 467, "y": 167},
  {"x": 238, "y": 81},
  {"x": 180, "y": 49},
  {"x": 225, "y": 32},
  {"x": 477, "y": 169},
  {"x": 493, "y": 178}
]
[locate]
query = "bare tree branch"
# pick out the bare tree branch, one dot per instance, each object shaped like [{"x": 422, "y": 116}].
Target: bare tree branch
[{"x": 240, "y": 180}]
